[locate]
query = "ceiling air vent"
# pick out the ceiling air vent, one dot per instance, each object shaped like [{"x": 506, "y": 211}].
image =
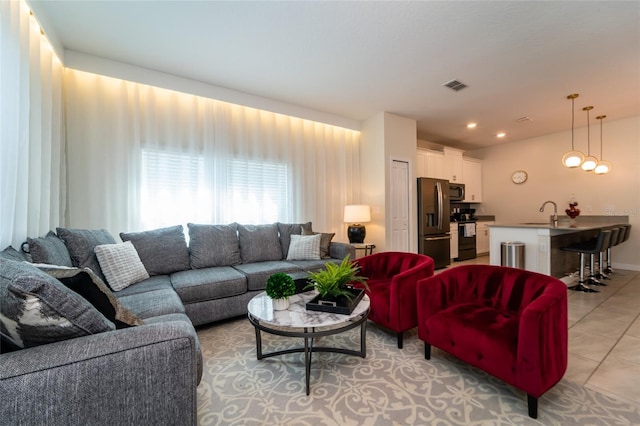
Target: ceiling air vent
[{"x": 455, "y": 85}]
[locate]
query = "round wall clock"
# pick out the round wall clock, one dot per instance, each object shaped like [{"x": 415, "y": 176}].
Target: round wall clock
[{"x": 519, "y": 176}]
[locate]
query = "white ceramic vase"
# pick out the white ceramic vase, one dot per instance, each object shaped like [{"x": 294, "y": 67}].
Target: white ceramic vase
[{"x": 280, "y": 304}]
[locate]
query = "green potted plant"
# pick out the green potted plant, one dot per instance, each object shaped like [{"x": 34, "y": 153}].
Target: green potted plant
[
  {"x": 333, "y": 282},
  {"x": 279, "y": 287}
]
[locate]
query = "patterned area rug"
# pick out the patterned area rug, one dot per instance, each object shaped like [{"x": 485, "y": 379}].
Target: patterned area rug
[{"x": 388, "y": 387}]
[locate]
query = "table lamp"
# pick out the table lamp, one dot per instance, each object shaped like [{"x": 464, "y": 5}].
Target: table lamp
[{"x": 355, "y": 215}]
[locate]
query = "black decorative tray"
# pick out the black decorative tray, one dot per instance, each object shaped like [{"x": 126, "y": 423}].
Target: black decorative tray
[{"x": 341, "y": 305}]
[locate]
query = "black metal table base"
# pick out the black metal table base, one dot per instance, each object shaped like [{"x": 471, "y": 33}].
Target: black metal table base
[{"x": 309, "y": 334}]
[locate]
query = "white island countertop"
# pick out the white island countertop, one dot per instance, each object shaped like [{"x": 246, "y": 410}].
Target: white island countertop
[{"x": 544, "y": 242}]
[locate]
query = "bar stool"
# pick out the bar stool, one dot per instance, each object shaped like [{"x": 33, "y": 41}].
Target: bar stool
[
  {"x": 623, "y": 236},
  {"x": 593, "y": 246},
  {"x": 615, "y": 232}
]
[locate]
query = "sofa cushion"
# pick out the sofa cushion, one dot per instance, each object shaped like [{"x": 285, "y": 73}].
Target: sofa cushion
[
  {"x": 480, "y": 335},
  {"x": 285, "y": 230},
  {"x": 259, "y": 243},
  {"x": 258, "y": 273},
  {"x": 120, "y": 265},
  {"x": 162, "y": 251},
  {"x": 9, "y": 253},
  {"x": 88, "y": 285},
  {"x": 156, "y": 282},
  {"x": 49, "y": 249},
  {"x": 213, "y": 245},
  {"x": 325, "y": 242},
  {"x": 81, "y": 242},
  {"x": 153, "y": 303},
  {"x": 37, "y": 309},
  {"x": 198, "y": 285},
  {"x": 304, "y": 247}
]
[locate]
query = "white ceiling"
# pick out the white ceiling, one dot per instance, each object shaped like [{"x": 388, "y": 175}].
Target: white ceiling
[{"x": 355, "y": 59}]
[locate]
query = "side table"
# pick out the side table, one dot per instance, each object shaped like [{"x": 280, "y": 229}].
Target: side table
[{"x": 366, "y": 247}]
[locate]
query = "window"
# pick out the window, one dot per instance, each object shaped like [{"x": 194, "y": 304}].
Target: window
[
  {"x": 175, "y": 189},
  {"x": 258, "y": 191}
]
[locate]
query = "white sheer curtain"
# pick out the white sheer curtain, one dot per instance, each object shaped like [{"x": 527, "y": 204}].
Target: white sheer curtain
[
  {"x": 32, "y": 171},
  {"x": 142, "y": 157}
]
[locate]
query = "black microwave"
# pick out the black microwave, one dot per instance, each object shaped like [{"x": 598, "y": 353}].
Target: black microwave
[{"x": 456, "y": 191}]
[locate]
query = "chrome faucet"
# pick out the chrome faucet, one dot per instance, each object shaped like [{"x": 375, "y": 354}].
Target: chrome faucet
[{"x": 555, "y": 212}]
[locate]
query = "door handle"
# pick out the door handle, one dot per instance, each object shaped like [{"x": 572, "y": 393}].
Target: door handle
[{"x": 448, "y": 237}]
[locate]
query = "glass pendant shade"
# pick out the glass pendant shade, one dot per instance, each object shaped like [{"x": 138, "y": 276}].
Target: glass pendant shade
[
  {"x": 572, "y": 159},
  {"x": 589, "y": 163},
  {"x": 603, "y": 167}
]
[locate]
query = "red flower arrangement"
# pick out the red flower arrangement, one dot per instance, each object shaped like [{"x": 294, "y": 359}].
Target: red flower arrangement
[{"x": 572, "y": 211}]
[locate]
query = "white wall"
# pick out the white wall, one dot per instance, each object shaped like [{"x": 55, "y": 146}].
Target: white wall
[
  {"x": 372, "y": 177},
  {"x": 386, "y": 137},
  {"x": 617, "y": 193}
]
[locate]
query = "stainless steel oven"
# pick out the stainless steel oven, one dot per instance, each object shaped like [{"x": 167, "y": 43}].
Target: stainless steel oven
[{"x": 466, "y": 240}]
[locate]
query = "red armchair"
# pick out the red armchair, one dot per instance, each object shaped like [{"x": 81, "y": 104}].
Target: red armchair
[
  {"x": 508, "y": 322},
  {"x": 392, "y": 278}
]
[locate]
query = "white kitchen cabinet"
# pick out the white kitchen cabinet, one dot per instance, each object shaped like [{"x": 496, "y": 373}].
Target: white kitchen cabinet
[
  {"x": 483, "y": 237},
  {"x": 472, "y": 179},
  {"x": 453, "y": 165},
  {"x": 421, "y": 163},
  {"x": 454, "y": 240},
  {"x": 430, "y": 164}
]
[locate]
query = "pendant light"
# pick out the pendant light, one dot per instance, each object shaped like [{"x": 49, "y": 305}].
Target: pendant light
[
  {"x": 590, "y": 161},
  {"x": 573, "y": 158},
  {"x": 603, "y": 166}
]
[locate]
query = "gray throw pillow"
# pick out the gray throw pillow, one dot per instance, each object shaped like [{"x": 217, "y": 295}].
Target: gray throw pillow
[
  {"x": 81, "y": 242},
  {"x": 10, "y": 253},
  {"x": 121, "y": 265},
  {"x": 49, "y": 249},
  {"x": 304, "y": 247},
  {"x": 162, "y": 251},
  {"x": 259, "y": 243},
  {"x": 286, "y": 230},
  {"x": 37, "y": 309},
  {"x": 213, "y": 245},
  {"x": 325, "y": 241}
]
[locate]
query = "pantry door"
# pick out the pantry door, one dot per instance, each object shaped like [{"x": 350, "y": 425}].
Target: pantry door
[{"x": 399, "y": 210}]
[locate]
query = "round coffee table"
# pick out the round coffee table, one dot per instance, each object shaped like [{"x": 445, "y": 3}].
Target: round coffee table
[{"x": 297, "y": 321}]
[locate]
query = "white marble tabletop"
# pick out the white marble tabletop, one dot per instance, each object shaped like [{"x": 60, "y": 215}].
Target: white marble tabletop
[{"x": 297, "y": 316}]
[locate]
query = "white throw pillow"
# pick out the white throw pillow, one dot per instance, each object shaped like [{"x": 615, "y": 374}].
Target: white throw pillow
[
  {"x": 120, "y": 265},
  {"x": 304, "y": 247}
]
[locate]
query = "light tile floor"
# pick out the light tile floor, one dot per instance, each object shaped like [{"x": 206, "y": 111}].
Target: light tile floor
[{"x": 604, "y": 335}]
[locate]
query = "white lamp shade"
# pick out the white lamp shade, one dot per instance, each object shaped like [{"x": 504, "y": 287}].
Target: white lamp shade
[
  {"x": 357, "y": 213},
  {"x": 603, "y": 167},
  {"x": 589, "y": 163},
  {"x": 572, "y": 159}
]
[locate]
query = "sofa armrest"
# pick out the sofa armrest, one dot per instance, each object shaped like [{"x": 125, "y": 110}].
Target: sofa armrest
[
  {"x": 139, "y": 375},
  {"x": 543, "y": 339},
  {"x": 340, "y": 250}
]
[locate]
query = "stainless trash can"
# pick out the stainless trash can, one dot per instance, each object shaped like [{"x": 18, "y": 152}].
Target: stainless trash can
[{"x": 512, "y": 254}]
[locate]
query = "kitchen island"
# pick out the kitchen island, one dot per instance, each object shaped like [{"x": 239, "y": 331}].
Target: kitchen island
[{"x": 543, "y": 241}]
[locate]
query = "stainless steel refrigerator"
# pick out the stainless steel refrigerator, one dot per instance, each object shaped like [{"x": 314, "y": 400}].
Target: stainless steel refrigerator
[{"x": 434, "y": 237}]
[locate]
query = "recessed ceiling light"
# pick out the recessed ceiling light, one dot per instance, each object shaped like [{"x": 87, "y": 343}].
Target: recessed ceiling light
[
  {"x": 501, "y": 134},
  {"x": 471, "y": 125}
]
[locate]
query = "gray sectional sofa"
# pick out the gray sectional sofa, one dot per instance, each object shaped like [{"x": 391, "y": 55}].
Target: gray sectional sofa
[{"x": 132, "y": 356}]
